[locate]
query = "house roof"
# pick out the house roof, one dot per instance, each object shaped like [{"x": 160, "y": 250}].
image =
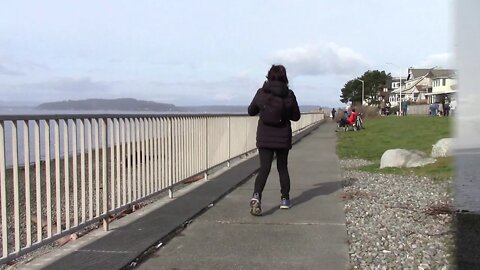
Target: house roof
[
  {"x": 413, "y": 87},
  {"x": 417, "y": 72},
  {"x": 442, "y": 73}
]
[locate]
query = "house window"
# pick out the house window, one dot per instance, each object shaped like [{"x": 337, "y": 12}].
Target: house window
[
  {"x": 439, "y": 82},
  {"x": 444, "y": 82}
]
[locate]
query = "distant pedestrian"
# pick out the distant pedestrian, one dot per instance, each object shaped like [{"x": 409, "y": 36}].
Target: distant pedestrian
[
  {"x": 277, "y": 105},
  {"x": 382, "y": 107},
  {"x": 433, "y": 109},
  {"x": 446, "y": 107},
  {"x": 333, "y": 113},
  {"x": 404, "y": 105}
]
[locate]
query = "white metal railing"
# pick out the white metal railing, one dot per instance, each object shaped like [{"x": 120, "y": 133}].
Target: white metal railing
[{"x": 59, "y": 174}]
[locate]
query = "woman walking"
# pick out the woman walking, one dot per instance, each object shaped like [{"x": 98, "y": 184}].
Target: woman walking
[{"x": 277, "y": 105}]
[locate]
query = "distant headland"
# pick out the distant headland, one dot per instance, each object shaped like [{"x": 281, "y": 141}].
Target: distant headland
[
  {"x": 120, "y": 104},
  {"x": 134, "y": 105}
]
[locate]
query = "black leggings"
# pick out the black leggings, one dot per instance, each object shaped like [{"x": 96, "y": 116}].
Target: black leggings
[{"x": 266, "y": 158}]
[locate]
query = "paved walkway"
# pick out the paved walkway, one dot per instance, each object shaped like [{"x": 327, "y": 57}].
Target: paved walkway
[{"x": 310, "y": 235}]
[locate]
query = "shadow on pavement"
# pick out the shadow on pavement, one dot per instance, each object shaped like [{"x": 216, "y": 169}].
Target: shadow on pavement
[{"x": 319, "y": 190}]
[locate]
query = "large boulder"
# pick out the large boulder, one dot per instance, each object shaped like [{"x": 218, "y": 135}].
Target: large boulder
[
  {"x": 404, "y": 158},
  {"x": 443, "y": 148}
]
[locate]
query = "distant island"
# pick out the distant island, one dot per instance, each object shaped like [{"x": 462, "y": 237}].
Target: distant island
[
  {"x": 134, "y": 105},
  {"x": 120, "y": 104}
]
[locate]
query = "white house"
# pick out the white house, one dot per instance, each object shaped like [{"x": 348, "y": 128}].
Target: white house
[
  {"x": 444, "y": 84},
  {"x": 419, "y": 84}
]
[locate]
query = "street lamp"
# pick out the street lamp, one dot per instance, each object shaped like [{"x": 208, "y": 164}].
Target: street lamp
[
  {"x": 400, "y": 103},
  {"x": 363, "y": 89}
]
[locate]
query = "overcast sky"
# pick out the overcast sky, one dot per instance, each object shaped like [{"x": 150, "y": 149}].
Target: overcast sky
[{"x": 191, "y": 52}]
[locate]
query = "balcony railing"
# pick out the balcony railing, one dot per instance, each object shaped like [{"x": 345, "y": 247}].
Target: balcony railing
[{"x": 61, "y": 173}]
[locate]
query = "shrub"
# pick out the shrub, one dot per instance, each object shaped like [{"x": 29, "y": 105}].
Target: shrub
[{"x": 368, "y": 111}]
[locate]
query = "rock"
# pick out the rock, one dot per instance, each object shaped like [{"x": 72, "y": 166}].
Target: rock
[
  {"x": 404, "y": 158},
  {"x": 419, "y": 162},
  {"x": 443, "y": 148}
]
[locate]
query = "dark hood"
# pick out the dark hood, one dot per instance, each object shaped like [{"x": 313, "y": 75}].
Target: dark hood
[{"x": 276, "y": 88}]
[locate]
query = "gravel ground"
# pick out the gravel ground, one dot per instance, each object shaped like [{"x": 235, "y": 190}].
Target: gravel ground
[{"x": 397, "y": 222}]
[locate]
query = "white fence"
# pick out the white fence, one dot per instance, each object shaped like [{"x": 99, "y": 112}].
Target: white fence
[
  {"x": 81, "y": 169},
  {"x": 418, "y": 109}
]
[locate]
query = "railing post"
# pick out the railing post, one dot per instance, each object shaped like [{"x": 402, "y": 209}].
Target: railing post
[
  {"x": 38, "y": 187},
  {"x": 246, "y": 135},
  {"x": 229, "y": 143},
  {"x": 26, "y": 162},
  {"x": 56, "y": 144},
  {"x": 48, "y": 181},
  {"x": 66, "y": 173},
  {"x": 170, "y": 158},
  {"x": 112, "y": 174},
  {"x": 3, "y": 191},
  {"x": 104, "y": 173},
  {"x": 205, "y": 174}
]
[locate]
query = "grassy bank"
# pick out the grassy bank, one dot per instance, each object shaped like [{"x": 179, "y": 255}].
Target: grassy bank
[{"x": 411, "y": 132}]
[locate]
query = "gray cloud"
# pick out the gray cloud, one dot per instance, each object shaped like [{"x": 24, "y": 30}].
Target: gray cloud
[
  {"x": 443, "y": 60},
  {"x": 9, "y": 72},
  {"x": 59, "y": 89},
  {"x": 77, "y": 85},
  {"x": 320, "y": 59},
  {"x": 234, "y": 91}
]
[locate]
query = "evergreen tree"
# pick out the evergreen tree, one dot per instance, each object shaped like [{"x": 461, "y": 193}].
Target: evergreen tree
[{"x": 374, "y": 80}]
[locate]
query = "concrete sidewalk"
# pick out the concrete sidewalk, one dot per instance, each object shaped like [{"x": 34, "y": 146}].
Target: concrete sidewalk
[{"x": 310, "y": 235}]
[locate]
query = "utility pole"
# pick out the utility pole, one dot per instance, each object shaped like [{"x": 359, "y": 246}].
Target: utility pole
[{"x": 363, "y": 90}]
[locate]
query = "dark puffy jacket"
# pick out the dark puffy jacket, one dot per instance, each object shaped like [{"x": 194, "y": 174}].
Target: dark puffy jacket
[{"x": 275, "y": 137}]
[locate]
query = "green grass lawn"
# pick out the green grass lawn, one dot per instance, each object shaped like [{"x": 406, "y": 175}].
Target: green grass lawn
[{"x": 411, "y": 132}]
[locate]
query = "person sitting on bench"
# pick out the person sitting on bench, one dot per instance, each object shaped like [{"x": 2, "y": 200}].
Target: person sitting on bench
[
  {"x": 351, "y": 119},
  {"x": 343, "y": 120},
  {"x": 348, "y": 121}
]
